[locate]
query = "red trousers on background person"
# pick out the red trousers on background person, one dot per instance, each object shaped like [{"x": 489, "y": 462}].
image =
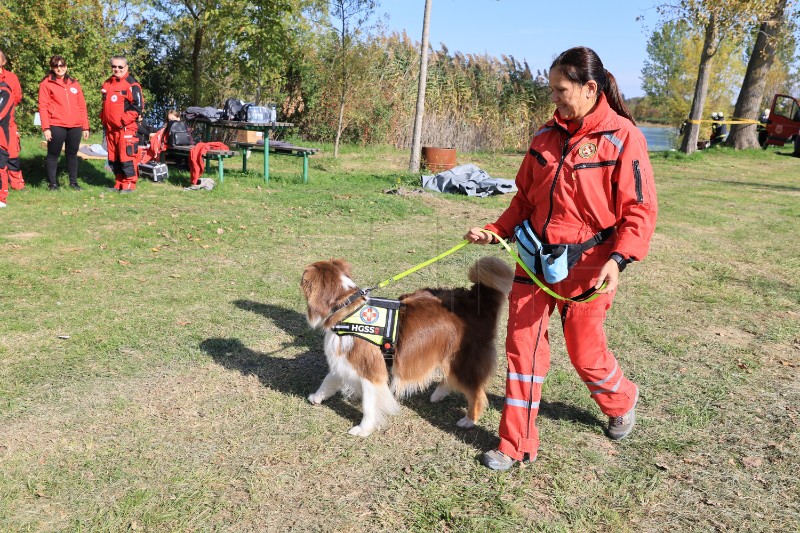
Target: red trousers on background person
[
  {"x": 123, "y": 156},
  {"x": 528, "y": 352},
  {"x": 3, "y": 175},
  {"x": 15, "y": 178}
]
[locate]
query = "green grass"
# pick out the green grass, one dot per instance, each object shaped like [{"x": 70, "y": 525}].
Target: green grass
[{"x": 177, "y": 402}]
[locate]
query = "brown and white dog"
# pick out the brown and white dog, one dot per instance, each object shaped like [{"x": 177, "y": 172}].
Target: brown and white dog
[{"x": 452, "y": 331}]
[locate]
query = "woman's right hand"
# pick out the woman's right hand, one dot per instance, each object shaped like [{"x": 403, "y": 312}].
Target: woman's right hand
[
  {"x": 478, "y": 236},
  {"x": 48, "y": 136}
]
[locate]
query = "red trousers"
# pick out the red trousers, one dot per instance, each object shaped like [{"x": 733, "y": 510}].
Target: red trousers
[
  {"x": 3, "y": 175},
  {"x": 123, "y": 155},
  {"x": 528, "y": 352},
  {"x": 15, "y": 178}
]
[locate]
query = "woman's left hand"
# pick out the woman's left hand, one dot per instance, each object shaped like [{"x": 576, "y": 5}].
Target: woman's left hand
[
  {"x": 610, "y": 275},
  {"x": 85, "y": 135}
]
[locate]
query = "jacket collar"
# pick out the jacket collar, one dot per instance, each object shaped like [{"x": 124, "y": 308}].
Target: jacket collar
[
  {"x": 67, "y": 78},
  {"x": 601, "y": 118}
]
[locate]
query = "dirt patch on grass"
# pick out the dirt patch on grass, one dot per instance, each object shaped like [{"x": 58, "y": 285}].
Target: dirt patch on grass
[{"x": 26, "y": 235}]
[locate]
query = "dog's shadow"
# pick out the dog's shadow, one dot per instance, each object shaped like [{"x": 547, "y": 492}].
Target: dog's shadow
[
  {"x": 302, "y": 375},
  {"x": 298, "y": 376}
]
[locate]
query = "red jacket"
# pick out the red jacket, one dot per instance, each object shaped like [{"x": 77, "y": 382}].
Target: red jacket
[
  {"x": 197, "y": 165},
  {"x": 122, "y": 102},
  {"x": 6, "y": 106},
  {"x": 573, "y": 185},
  {"x": 13, "y": 82},
  {"x": 61, "y": 103}
]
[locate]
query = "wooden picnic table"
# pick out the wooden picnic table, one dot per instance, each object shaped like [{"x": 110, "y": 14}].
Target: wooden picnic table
[{"x": 264, "y": 127}]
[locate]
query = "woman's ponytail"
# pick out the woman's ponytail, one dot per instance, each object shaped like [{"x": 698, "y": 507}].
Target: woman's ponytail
[{"x": 615, "y": 98}]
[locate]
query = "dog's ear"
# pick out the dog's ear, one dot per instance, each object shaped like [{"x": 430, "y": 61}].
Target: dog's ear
[
  {"x": 344, "y": 265},
  {"x": 307, "y": 279}
]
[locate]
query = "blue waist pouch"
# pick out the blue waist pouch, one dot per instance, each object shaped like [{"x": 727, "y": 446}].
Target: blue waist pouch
[{"x": 550, "y": 260}]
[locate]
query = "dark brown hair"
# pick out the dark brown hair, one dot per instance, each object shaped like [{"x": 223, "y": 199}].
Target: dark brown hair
[
  {"x": 55, "y": 60},
  {"x": 581, "y": 64}
]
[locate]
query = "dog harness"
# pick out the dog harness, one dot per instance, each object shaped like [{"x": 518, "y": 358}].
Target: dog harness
[{"x": 376, "y": 322}]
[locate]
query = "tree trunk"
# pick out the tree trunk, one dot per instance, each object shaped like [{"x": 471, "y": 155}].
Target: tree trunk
[
  {"x": 339, "y": 127},
  {"x": 755, "y": 79},
  {"x": 413, "y": 165},
  {"x": 343, "y": 94},
  {"x": 197, "y": 47},
  {"x": 710, "y": 45}
]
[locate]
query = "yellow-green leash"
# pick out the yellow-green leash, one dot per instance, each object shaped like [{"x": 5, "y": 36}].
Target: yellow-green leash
[
  {"x": 587, "y": 296},
  {"x": 581, "y": 298},
  {"x": 413, "y": 269}
]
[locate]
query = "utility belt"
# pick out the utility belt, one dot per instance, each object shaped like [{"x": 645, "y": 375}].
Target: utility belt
[
  {"x": 552, "y": 260},
  {"x": 376, "y": 322}
]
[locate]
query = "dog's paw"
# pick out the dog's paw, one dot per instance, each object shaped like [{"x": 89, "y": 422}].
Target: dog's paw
[
  {"x": 359, "y": 431},
  {"x": 466, "y": 423},
  {"x": 439, "y": 394},
  {"x": 316, "y": 398}
]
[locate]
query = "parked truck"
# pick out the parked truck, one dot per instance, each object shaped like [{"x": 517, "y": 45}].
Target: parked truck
[{"x": 783, "y": 124}]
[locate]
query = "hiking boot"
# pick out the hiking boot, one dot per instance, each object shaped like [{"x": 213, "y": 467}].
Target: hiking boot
[
  {"x": 53, "y": 187},
  {"x": 126, "y": 191},
  {"x": 112, "y": 189},
  {"x": 497, "y": 460},
  {"x": 2, "y": 205},
  {"x": 75, "y": 186},
  {"x": 620, "y": 426}
]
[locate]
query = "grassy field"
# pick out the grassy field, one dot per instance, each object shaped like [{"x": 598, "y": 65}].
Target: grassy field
[{"x": 155, "y": 359}]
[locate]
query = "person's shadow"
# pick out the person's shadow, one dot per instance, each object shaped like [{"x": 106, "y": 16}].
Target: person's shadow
[
  {"x": 33, "y": 169},
  {"x": 302, "y": 375}
]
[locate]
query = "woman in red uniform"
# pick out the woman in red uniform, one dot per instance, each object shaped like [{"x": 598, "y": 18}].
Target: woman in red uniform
[
  {"x": 62, "y": 109},
  {"x": 6, "y": 105},
  {"x": 14, "y": 170},
  {"x": 587, "y": 175}
]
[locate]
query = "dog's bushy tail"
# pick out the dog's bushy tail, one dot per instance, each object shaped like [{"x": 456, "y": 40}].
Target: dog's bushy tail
[{"x": 492, "y": 272}]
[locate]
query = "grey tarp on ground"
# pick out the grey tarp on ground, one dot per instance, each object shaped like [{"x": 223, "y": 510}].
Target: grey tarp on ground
[{"x": 469, "y": 180}]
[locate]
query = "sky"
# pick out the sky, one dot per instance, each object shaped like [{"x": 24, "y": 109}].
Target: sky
[{"x": 536, "y": 31}]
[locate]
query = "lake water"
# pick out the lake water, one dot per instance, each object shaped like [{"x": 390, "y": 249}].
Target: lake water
[{"x": 659, "y": 138}]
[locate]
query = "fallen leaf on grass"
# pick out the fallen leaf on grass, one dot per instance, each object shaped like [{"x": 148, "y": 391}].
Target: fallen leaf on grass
[
  {"x": 184, "y": 323},
  {"x": 752, "y": 462},
  {"x": 220, "y": 231},
  {"x": 156, "y": 249},
  {"x": 662, "y": 467},
  {"x": 123, "y": 262},
  {"x": 787, "y": 363}
]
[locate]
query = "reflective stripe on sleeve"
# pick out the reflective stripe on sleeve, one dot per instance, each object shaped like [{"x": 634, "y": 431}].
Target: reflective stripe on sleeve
[{"x": 616, "y": 141}]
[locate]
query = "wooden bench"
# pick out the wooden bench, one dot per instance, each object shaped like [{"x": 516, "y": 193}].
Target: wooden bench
[
  {"x": 218, "y": 155},
  {"x": 277, "y": 149}
]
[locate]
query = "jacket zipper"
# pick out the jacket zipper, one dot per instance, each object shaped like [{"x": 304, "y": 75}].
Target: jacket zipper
[
  {"x": 637, "y": 176},
  {"x": 595, "y": 165},
  {"x": 564, "y": 152}
]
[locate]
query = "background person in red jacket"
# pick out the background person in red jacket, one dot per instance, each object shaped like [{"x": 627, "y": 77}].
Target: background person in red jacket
[
  {"x": 122, "y": 103},
  {"x": 62, "y": 109},
  {"x": 6, "y": 105},
  {"x": 14, "y": 170},
  {"x": 587, "y": 170}
]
